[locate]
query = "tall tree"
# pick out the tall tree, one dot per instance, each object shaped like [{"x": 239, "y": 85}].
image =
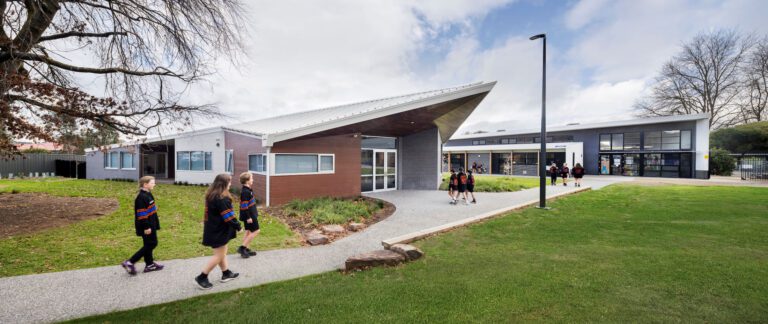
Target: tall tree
[
  {"x": 754, "y": 105},
  {"x": 145, "y": 52},
  {"x": 702, "y": 78}
]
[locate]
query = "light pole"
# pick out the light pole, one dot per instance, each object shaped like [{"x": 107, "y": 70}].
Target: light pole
[{"x": 543, "y": 150}]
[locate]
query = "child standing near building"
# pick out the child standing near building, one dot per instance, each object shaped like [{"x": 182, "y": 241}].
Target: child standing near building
[
  {"x": 462, "y": 177},
  {"x": 578, "y": 173},
  {"x": 453, "y": 185},
  {"x": 553, "y": 172},
  {"x": 147, "y": 224},
  {"x": 220, "y": 225},
  {"x": 564, "y": 172},
  {"x": 248, "y": 214},
  {"x": 471, "y": 186}
]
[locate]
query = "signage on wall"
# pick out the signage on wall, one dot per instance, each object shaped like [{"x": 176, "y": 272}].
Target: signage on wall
[{"x": 617, "y": 161}]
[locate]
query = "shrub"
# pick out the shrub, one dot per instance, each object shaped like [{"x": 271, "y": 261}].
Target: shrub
[
  {"x": 720, "y": 162},
  {"x": 331, "y": 210}
]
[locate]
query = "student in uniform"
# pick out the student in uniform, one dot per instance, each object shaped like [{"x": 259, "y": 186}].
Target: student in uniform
[
  {"x": 147, "y": 224},
  {"x": 578, "y": 173},
  {"x": 471, "y": 186},
  {"x": 564, "y": 173},
  {"x": 220, "y": 225},
  {"x": 452, "y": 186},
  {"x": 553, "y": 172},
  {"x": 248, "y": 215},
  {"x": 462, "y": 177}
]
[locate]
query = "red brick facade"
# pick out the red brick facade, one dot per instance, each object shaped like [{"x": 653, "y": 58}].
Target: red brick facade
[{"x": 242, "y": 146}]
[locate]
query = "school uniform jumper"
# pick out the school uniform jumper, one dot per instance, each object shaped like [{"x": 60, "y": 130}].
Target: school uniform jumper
[
  {"x": 220, "y": 224},
  {"x": 471, "y": 183},
  {"x": 145, "y": 217},
  {"x": 453, "y": 182},
  {"x": 578, "y": 172},
  {"x": 553, "y": 174},
  {"x": 462, "y": 182},
  {"x": 248, "y": 209},
  {"x": 564, "y": 172}
]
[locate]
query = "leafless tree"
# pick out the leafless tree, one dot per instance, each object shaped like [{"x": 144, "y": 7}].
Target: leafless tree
[
  {"x": 754, "y": 104},
  {"x": 146, "y": 53},
  {"x": 702, "y": 78}
]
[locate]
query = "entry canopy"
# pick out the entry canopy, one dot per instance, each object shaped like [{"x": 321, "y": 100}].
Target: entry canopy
[{"x": 445, "y": 109}]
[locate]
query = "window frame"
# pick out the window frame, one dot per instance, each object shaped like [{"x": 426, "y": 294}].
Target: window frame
[
  {"x": 108, "y": 160},
  {"x": 207, "y": 162},
  {"x": 264, "y": 159},
  {"x": 133, "y": 161},
  {"x": 229, "y": 156},
  {"x": 273, "y": 165}
]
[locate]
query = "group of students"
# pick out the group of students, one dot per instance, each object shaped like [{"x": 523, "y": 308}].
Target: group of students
[
  {"x": 564, "y": 172},
  {"x": 219, "y": 226},
  {"x": 461, "y": 184}
]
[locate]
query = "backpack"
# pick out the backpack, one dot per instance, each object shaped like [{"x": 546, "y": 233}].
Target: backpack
[
  {"x": 463, "y": 178},
  {"x": 471, "y": 180}
]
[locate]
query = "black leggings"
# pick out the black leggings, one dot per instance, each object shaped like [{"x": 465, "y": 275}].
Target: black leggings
[
  {"x": 553, "y": 179},
  {"x": 150, "y": 242}
]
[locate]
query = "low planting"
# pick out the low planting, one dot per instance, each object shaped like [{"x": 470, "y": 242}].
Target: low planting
[
  {"x": 332, "y": 210},
  {"x": 110, "y": 239},
  {"x": 491, "y": 183}
]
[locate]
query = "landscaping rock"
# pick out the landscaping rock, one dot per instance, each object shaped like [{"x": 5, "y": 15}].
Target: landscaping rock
[
  {"x": 373, "y": 259},
  {"x": 316, "y": 238},
  {"x": 333, "y": 229},
  {"x": 356, "y": 226},
  {"x": 410, "y": 252}
]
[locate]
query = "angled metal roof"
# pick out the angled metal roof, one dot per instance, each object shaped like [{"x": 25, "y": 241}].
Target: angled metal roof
[{"x": 284, "y": 127}]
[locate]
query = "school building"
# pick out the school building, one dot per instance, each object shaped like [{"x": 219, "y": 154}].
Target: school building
[
  {"x": 670, "y": 146},
  {"x": 385, "y": 144}
]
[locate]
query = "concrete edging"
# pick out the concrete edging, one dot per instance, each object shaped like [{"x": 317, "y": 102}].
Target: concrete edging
[{"x": 408, "y": 238}]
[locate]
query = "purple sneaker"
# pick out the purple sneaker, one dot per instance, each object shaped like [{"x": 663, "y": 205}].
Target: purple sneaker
[
  {"x": 129, "y": 268},
  {"x": 153, "y": 267}
]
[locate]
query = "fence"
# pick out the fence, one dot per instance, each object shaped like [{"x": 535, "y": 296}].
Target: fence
[
  {"x": 753, "y": 166},
  {"x": 43, "y": 164}
]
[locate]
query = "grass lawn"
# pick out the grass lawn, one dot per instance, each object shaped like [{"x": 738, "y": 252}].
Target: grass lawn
[
  {"x": 488, "y": 183},
  {"x": 110, "y": 239},
  {"x": 621, "y": 254}
]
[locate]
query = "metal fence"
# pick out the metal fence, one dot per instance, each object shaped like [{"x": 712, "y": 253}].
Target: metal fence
[
  {"x": 753, "y": 167},
  {"x": 43, "y": 164}
]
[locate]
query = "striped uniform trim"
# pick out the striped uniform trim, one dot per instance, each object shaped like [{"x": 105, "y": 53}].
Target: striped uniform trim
[
  {"x": 142, "y": 214},
  {"x": 228, "y": 215},
  {"x": 244, "y": 205}
]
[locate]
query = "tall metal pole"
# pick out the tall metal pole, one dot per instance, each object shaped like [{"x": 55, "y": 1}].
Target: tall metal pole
[{"x": 543, "y": 150}]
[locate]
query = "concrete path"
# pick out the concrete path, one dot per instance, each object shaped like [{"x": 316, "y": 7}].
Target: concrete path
[{"x": 72, "y": 294}]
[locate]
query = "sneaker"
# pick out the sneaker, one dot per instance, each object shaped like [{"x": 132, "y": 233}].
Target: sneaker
[
  {"x": 203, "y": 283},
  {"x": 250, "y": 252},
  {"x": 474, "y": 201},
  {"x": 129, "y": 267},
  {"x": 153, "y": 267},
  {"x": 243, "y": 253},
  {"x": 228, "y": 276}
]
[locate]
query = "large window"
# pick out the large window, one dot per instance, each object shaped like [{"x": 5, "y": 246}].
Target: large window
[
  {"x": 478, "y": 142},
  {"x": 530, "y": 158},
  {"x": 605, "y": 142},
  {"x": 194, "y": 161},
  {"x": 229, "y": 163},
  {"x": 620, "y": 141},
  {"x": 508, "y": 141},
  {"x": 112, "y": 160},
  {"x": 668, "y": 140},
  {"x": 126, "y": 160},
  {"x": 304, "y": 163},
  {"x": 632, "y": 141},
  {"x": 257, "y": 163}
]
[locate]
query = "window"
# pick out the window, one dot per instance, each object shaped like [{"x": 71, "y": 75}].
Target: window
[
  {"x": 617, "y": 142},
  {"x": 126, "y": 160},
  {"x": 685, "y": 140},
  {"x": 112, "y": 160},
  {"x": 605, "y": 142},
  {"x": 504, "y": 141},
  {"x": 304, "y": 163},
  {"x": 478, "y": 142},
  {"x": 193, "y": 161},
  {"x": 257, "y": 163},
  {"x": 632, "y": 141},
  {"x": 538, "y": 139},
  {"x": 670, "y": 140},
  {"x": 229, "y": 164},
  {"x": 652, "y": 141}
]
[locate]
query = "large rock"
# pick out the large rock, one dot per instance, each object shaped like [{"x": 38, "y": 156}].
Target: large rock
[
  {"x": 410, "y": 252},
  {"x": 374, "y": 259},
  {"x": 356, "y": 226},
  {"x": 333, "y": 229},
  {"x": 316, "y": 238}
]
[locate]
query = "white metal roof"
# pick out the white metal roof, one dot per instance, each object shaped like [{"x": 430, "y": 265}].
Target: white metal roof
[
  {"x": 620, "y": 123},
  {"x": 298, "y": 124}
]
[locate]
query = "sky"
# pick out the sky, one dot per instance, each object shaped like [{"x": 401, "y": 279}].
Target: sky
[{"x": 601, "y": 55}]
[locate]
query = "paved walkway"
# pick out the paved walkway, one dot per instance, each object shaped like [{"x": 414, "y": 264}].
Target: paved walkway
[{"x": 72, "y": 294}]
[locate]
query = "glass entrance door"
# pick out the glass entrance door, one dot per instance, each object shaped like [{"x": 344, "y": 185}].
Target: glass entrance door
[
  {"x": 154, "y": 165},
  {"x": 384, "y": 170}
]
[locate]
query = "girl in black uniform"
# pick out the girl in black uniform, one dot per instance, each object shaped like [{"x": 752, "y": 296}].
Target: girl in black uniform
[
  {"x": 452, "y": 186},
  {"x": 220, "y": 225},
  {"x": 248, "y": 215},
  {"x": 146, "y": 224},
  {"x": 553, "y": 171}
]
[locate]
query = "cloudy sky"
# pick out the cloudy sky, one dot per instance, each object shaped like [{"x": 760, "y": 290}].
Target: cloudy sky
[{"x": 602, "y": 55}]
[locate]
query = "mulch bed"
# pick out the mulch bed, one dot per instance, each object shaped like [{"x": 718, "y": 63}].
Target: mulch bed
[
  {"x": 302, "y": 224},
  {"x": 24, "y": 213}
]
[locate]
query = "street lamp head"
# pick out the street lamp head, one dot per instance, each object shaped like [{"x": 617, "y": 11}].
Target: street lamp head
[{"x": 535, "y": 37}]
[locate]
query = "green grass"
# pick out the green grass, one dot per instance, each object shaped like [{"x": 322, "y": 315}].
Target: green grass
[
  {"x": 332, "y": 210},
  {"x": 621, "y": 254},
  {"x": 488, "y": 183},
  {"x": 110, "y": 239}
]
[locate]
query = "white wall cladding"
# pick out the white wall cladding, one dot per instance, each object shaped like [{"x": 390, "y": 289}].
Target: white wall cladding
[{"x": 202, "y": 142}]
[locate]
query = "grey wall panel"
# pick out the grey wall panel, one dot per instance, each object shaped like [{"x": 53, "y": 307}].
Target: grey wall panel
[
  {"x": 419, "y": 157},
  {"x": 35, "y": 162},
  {"x": 95, "y": 165}
]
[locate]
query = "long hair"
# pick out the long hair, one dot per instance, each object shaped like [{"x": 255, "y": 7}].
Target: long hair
[{"x": 218, "y": 189}]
